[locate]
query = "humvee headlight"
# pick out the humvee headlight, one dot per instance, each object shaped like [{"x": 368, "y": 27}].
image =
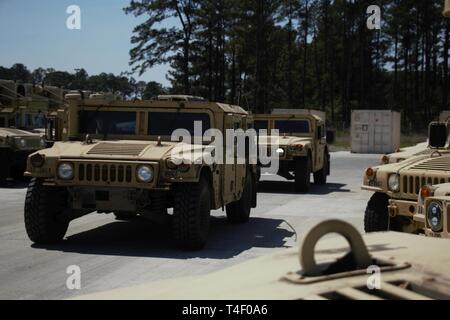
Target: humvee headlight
[
  {"x": 145, "y": 174},
  {"x": 37, "y": 160},
  {"x": 385, "y": 159},
  {"x": 394, "y": 183},
  {"x": 21, "y": 143},
  {"x": 65, "y": 171},
  {"x": 434, "y": 216},
  {"x": 370, "y": 173}
]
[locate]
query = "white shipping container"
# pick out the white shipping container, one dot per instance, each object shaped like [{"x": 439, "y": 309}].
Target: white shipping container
[
  {"x": 444, "y": 116},
  {"x": 375, "y": 131}
]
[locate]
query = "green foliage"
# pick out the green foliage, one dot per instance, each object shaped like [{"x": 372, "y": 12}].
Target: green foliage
[{"x": 301, "y": 54}]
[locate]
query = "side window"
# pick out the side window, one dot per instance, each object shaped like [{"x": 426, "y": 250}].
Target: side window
[
  {"x": 2, "y": 122},
  {"x": 319, "y": 132}
]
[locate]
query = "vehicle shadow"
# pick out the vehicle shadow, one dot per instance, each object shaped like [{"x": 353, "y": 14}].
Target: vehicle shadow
[
  {"x": 288, "y": 187},
  {"x": 142, "y": 238},
  {"x": 14, "y": 184}
]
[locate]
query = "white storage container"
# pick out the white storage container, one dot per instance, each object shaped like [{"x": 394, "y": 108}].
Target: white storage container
[
  {"x": 375, "y": 131},
  {"x": 444, "y": 116}
]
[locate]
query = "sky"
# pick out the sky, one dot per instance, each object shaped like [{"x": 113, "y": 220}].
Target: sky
[{"x": 34, "y": 33}]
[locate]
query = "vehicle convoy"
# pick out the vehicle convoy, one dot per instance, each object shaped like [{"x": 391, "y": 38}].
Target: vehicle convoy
[
  {"x": 302, "y": 146},
  {"x": 411, "y": 268},
  {"x": 119, "y": 158},
  {"x": 397, "y": 186},
  {"x": 30, "y": 119}
]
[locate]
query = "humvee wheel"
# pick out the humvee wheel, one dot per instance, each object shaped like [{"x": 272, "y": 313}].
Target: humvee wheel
[
  {"x": 320, "y": 177},
  {"x": 302, "y": 174},
  {"x": 123, "y": 216},
  {"x": 191, "y": 214},
  {"x": 376, "y": 217},
  {"x": 42, "y": 206},
  {"x": 239, "y": 211},
  {"x": 4, "y": 165}
]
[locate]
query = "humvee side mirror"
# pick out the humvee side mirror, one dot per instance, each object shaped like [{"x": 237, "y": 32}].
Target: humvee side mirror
[
  {"x": 331, "y": 136},
  {"x": 437, "y": 135}
]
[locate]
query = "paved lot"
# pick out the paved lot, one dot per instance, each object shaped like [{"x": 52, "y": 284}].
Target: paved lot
[{"x": 114, "y": 254}]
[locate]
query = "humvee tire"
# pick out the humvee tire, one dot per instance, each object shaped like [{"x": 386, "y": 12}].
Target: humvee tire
[
  {"x": 376, "y": 217},
  {"x": 239, "y": 211},
  {"x": 320, "y": 177},
  {"x": 42, "y": 205},
  {"x": 4, "y": 172},
  {"x": 302, "y": 174},
  {"x": 191, "y": 214}
]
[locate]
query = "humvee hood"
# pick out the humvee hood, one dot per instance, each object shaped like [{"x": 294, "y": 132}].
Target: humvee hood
[
  {"x": 283, "y": 141},
  {"x": 424, "y": 163},
  {"x": 123, "y": 149},
  {"x": 16, "y": 133}
]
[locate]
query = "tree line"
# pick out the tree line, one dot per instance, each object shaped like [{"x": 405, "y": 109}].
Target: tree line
[
  {"x": 266, "y": 54},
  {"x": 122, "y": 85}
]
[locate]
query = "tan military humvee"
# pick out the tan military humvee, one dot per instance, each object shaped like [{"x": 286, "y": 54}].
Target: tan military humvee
[
  {"x": 379, "y": 266},
  {"x": 302, "y": 144},
  {"x": 15, "y": 146},
  {"x": 397, "y": 186},
  {"x": 406, "y": 153},
  {"x": 22, "y": 115},
  {"x": 118, "y": 159}
]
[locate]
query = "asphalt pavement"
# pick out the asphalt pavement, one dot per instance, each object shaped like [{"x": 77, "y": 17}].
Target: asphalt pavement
[{"x": 113, "y": 254}]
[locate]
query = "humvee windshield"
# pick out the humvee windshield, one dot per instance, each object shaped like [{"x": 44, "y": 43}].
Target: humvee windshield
[
  {"x": 107, "y": 122},
  {"x": 165, "y": 123},
  {"x": 292, "y": 126},
  {"x": 124, "y": 122},
  {"x": 33, "y": 121},
  {"x": 261, "y": 125}
]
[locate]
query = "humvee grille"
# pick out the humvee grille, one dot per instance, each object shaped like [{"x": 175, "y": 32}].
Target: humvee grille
[
  {"x": 122, "y": 149},
  {"x": 396, "y": 290},
  {"x": 411, "y": 184},
  {"x": 105, "y": 173}
]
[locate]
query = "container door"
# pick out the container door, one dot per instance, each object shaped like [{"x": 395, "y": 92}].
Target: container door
[
  {"x": 360, "y": 136},
  {"x": 382, "y": 132}
]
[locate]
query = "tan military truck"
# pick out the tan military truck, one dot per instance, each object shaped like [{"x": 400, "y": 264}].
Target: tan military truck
[
  {"x": 378, "y": 266},
  {"x": 396, "y": 186},
  {"x": 29, "y": 121},
  {"x": 15, "y": 146},
  {"x": 406, "y": 153},
  {"x": 119, "y": 158},
  {"x": 303, "y": 147}
]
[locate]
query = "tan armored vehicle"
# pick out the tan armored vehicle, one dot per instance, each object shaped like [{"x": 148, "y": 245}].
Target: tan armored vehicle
[
  {"x": 15, "y": 146},
  {"x": 29, "y": 121},
  {"x": 406, "y": 153},
  {"x": 120, "y": 159},
  {"x": 379, "y": 266},
  {"x": 393, "y": 206},
  {"x": 302, "y": 145}
]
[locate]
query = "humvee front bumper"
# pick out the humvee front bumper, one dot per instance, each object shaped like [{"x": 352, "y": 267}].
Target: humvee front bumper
[{"x": 402, "y": 208}]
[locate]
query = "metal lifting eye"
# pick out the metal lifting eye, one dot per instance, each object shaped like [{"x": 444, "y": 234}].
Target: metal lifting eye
[{"x": 358, "y": 248}]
